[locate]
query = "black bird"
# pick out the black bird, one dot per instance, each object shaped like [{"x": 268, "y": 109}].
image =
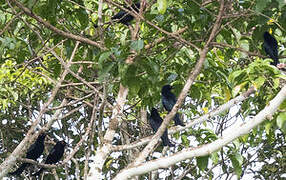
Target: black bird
[
  {"x": 168, "y": 101},
  {"x": 123, "y": 16},
  {"x": 34, "y": 152},
  {"x": 271, "y": 47},
  {"x": 155, "y": 121},
  {"x": 56, "y": 153}
]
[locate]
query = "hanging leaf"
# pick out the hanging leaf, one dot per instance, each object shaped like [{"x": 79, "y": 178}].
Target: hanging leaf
[
  {"x": 203, "y": 162},
  {"x": 137, "y": 45}
]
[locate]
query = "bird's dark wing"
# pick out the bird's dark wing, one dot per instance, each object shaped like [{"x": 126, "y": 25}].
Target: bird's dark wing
[
  {"x": 272, "y": 52},
  {"x": 30, "y": 152},
  {"x": 166, "y": 140},
  {"x": 154, "y": 124},
  {"x": 172, "y": 98},
  {"x": 36, "y": 149},
  {"x": 32, "y": 147},
  {"x": 119, "y": 15},
  {"x": 55, "y": 154},
  {"x": 51, "y": 156},
  {"x": 49, "y": 160},
  {"x": 156, "y": 121},
  {"x": 33, "y": 152},
  {"x": 168, "y": 103},
  {"x": 275, "y": 56}
]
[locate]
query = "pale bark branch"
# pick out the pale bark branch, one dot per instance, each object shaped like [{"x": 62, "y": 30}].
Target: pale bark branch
[
  {"x": 31, "y": 135},
  {"x": 228, "y": 136},
  {"x": 142, "y": 156},
  {"x": 105, "y": 149},
  {"x": 194, "y": 122}
]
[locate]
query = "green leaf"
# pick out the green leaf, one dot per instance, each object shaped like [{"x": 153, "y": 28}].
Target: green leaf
[
  {"x": 237, "y": 160},
  {"x": 137, "y": 45},
  {"x": 282, "y": 105},
  {"x": 281, "y": 3},
  {"x": 236, "y": 143},
  {"x": 259, "y": 82},
  {"x": 244, "y": 138},
  {"x": 281, "y": 121},
  {"x": 234, "y": 75},
  {"x": 82, "y": 16},
  {"x": 276, "y": 83},
  {"x": 15, "y": 95},
  {"x": 268, "y": 126},
  {"x": 108, "y": 163},
  {"x": 123, "y": 37},
  {"x": 203, "y": 162},
  {"x": 103, "y": 57},
  {"x": 260, "y": 5},
  {"x": 162, "y": 6},
  {"x": 185, "y": 140},
  {"x": 238, "y": 88},
  {"x": 104, "y": 72},
  {"x": 214, "y": 157}
]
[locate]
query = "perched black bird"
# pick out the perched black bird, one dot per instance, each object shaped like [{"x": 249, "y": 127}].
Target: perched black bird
[
  {"x": 124, "y": 17},
  {"x": 271, "y": 47},
  {"x": 34, "y": 152},
  {"x": 155, "y": 121},
  {"x": 56, "y": 153},
  {"x": 168, "y": 101}
]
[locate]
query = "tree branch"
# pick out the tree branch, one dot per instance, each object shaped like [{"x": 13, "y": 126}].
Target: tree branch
[
  {"x": 194, "y": 122},
  {"x": 103, "y": 152},
  {"x": 228, "y": 136},
  {"x": 142, "y": 156},
  {"x": 54, "y": 29}
]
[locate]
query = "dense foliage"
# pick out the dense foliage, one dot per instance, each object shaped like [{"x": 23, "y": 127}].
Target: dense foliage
[{"x": 45, "y": 57}]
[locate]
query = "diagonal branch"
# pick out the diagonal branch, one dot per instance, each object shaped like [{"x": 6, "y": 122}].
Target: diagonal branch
[
  {"x": 172, "y": 35},
  {"x": 142, "y": 156},
  {"x": 228, "y": 136},
  {"x": 30, "y": 137},
  {"x": 196, "y": 121},
  {"x": 54, "y": 29}
]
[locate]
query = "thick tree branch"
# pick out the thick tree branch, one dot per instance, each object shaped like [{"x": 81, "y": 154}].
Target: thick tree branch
[
  {"x": 104, "y": 151},
  {"x": 142, "y": 156},
  {"x": 30, "y": 137},
  {"x": 228, "y": 136},
  {"x": 194, "y": 122}
]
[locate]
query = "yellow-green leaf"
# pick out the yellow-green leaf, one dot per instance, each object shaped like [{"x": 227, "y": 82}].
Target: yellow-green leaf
[
  {"x": 259, "y": 82},
  {"x": 162, "y": 6}
]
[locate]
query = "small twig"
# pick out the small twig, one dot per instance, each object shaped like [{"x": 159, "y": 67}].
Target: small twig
[{"x": 54, "y": 29}]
